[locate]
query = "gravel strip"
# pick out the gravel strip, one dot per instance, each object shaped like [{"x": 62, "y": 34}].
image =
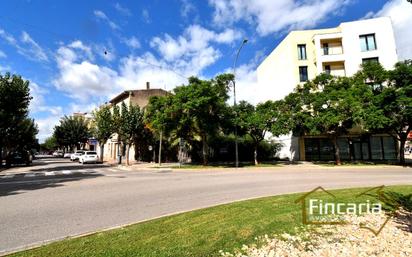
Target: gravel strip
[{"x": 395, "y": 239}]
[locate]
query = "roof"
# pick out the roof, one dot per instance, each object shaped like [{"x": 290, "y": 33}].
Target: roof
[{"x": 140, "y": 92}]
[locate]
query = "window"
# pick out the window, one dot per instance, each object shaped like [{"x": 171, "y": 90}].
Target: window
[
  {"x": 373, "y": 59},
  {"x": 327, "y": 69},
  {"x": 367, "y": 42},
  {"x": 325, "y": 49},
  {"x": 303, "y": 73},
  {"x": 302, "y": 52}
]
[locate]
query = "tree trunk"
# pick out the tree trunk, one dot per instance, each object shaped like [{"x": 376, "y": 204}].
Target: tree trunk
[
  {"x": 402, "y": 151},
  {"x": 127, "y": 154},
  {"x": 255, "y": 154},
  {"x": 204, "y": 150},
  {"x": 1, "y": 155},
  {"x": 337, "y": 154},
  {"x": 101, "y": 152}
]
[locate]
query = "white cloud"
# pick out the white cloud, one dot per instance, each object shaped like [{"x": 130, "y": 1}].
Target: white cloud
[
  {"x": 101, "y": 15},
  {"x": 132, "y": 42},
  {"x": 26, "y": 46},
  {"x": 122, "y": 10},
  {"x": 194, "y": 41},
  {"x": 400, "y": 12},
  {"x": 135, "y": 71},
  {"x": 9, "y": 38},
  {"x": 186, "y": 8},
  {"x": 79, "y": 77},
  {"x": 33, "y": 48},
  {"x": 2, "y": 54},
  {"x": 274, "y": 16},
  {"x": 146, "y": 16},
  {"x": 77, "y": 44}
]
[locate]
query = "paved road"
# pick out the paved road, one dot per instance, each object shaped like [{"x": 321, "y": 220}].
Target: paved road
[{"x": 74, "y": 199}]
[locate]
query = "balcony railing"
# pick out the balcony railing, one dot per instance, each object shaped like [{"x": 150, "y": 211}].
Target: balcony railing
[{"x": 332, "y": 50}]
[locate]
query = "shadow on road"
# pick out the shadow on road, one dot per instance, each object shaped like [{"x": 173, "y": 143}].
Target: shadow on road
[
  {"x": 74, "y": 166},
  {"x": 13, "y": 188}
]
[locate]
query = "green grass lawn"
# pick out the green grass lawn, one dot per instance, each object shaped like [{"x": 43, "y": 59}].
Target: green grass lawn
[{"x": 198, "y": 233}]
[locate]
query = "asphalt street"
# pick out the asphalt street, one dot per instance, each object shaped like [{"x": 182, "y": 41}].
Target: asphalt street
[{"x": 56, "y": 198}]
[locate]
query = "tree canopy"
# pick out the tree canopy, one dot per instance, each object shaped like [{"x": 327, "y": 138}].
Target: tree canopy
[{"x": 17, "y": 130}]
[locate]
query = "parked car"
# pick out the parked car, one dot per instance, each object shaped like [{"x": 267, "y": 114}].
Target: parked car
[
  {"x": 67, "y": 155},
  {"x": 19, "y": 157},
  {"x": 58, "y": 154},
  {"x": 75, "y": 156},
  {"x": 88, "y": 157}
]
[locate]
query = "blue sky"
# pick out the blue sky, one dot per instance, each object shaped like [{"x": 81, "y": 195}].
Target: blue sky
[{"x": 79, "y": 54}]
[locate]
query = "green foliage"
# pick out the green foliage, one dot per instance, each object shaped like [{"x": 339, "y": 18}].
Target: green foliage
[
  {"x": 194, "y": 112},
  {"x": 50, "y": 143},
  {"x": 72, "y": 131},
  {"x": 102, "y": 127},
  {"x": 17, "y": 131},
  {"x": 257, "y": 121}
]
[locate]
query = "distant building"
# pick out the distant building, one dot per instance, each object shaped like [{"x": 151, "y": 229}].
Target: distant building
[
  {"x": 129, "y": 97},
  {"x": 339, "y": 51}
]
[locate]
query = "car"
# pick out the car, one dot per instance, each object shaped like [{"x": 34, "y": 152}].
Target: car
[
  {"x": 88, "y": 157},
  {"x": 58, "y": 153},
  {"x": 19, "y": 157},
  {"x": 67, "y": 155},
  {"x": 75, "y": 156}
]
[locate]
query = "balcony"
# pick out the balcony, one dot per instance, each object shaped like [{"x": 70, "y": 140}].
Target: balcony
[{"x": 334, "y": 68}]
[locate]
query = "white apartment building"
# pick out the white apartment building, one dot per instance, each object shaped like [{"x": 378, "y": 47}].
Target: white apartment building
[{"x": 340, "y": 51}]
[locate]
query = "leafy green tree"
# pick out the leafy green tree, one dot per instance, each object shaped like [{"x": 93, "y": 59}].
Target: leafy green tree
[
  {"x": 17, "y": 131},
  {"x": 384, "y": 100},
  {"x": 102, "y": 127},
  {"x": 257, "y": 121},
  {"x": 325, "y": 108},
  {"x": 50, "y": 143},
  {"x": 198, "y": 109},
  {"x": 72, "y": 131},
  {"x": 193, "y": 112},
  {"x": 132, "y": 126}
]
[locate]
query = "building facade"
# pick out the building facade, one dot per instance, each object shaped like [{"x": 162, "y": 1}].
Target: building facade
[
  {"x": 339, "y": 51},
  {"x": 112, "y": 147}
]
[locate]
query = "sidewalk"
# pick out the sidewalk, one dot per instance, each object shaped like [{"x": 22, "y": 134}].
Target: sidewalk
[{"x": 144, "y": 166}]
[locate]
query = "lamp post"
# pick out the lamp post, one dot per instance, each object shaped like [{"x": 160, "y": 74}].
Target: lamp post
[{"x": 234, "y": 101}]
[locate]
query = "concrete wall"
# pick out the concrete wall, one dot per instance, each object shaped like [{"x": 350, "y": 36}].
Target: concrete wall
[{"x": 385, "y": 43}]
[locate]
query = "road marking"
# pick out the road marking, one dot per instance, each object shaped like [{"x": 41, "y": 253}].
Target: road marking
[
  {"x": 30, "y": 175},
  {"x": 66, "y": 172},
  {"x": 49, "y": 173},
  {"x": 9, "y": 176}
]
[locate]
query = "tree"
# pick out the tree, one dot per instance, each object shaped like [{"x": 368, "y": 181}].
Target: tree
[
  {"x": 396, "y": 101},
  {"x": 199, "y": 107},
  {"x": 193, "y": 112},
  {"x": 72, "y": 131},
  {"x": 132, "y": 126},
  {"x": 17, "y": 131},
  {"x": 257, "y": 121},
  {"x": 50, "y": 143},
  {"x": 325, "y": 108},
  {"x": 102, "y": 127},
  {"x": 386, "y": 100}
]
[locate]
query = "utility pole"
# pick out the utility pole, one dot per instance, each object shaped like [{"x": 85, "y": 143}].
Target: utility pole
[
  {"x": 160, "y": 148},
  {"x": 234, "y": 102}
]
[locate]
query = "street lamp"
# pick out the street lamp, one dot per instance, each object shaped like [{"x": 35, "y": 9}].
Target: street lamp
[{"x": 234, "y": 101}]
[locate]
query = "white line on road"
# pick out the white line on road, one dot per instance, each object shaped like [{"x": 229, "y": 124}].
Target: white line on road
[
  {"x": 8, "y": 176},
  {"x": 30, "y": 175},
  {"x": 49, "y": 173},
  {"x": 66, "y": 172}
]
